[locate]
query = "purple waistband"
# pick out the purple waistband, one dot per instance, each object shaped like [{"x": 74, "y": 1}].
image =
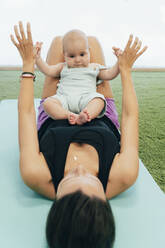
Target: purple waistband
[{"x": 111, "y": 113}]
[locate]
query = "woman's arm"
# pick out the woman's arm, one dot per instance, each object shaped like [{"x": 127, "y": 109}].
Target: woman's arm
[
  {"x": 129, "y": 120},
  {"x": 125, "y": 165},
  {"x": 31, "y": 160}
]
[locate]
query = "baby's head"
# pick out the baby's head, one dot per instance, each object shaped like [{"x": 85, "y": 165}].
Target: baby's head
[{"x": 76, "y": 49}]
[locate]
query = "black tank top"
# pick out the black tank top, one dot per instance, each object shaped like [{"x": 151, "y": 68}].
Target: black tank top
[{"x": 55, "y": 137}]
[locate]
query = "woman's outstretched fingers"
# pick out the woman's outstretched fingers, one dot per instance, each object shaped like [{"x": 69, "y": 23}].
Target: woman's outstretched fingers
[
  {"x": 17, "y": 34},
  {"x": 138, "y": 45},
  {"x": 29, "y": 35},
  {"x": 13, "y": 40},
  {"x": 131, "y": 52},
  {"x": 142, "y": 51},
  {"x": 22, "y": 31},
  {"x": 129, "y": 42},
  {"x": 135, "y": 43},
  {"x": 24, "y": 43}
]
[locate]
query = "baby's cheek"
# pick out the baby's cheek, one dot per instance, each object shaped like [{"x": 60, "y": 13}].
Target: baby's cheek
[{"x": 87, "y": 61}]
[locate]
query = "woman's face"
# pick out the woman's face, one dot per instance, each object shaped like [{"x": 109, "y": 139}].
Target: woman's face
[{"x": 79, "y": 179}]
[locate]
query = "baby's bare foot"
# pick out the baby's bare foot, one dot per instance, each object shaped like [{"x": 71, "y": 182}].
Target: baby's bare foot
[
  {"x": 72, "y": 118},
  {"x": 83, "y": 117}
]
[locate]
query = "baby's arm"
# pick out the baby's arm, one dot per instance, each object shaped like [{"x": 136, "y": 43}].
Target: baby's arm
[
  {"x": 49, "y": 70},
  {"x": 110, "y": 73}
]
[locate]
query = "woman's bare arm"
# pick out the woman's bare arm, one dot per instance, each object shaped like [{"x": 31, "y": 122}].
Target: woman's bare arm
[
  {"x": 129, "y": 120},
  {"x": 125, "y": 165},
  {"x": 33, "y": 167}
]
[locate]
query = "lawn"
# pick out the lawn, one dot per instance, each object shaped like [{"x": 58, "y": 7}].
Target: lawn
[{"x": 150, "y": 88}]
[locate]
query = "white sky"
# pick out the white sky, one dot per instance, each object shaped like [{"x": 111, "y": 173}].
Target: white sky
[{"x": 111, "y": 21}]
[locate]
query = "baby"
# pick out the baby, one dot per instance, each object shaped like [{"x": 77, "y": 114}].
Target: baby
[{"x": 76, "y": 98}]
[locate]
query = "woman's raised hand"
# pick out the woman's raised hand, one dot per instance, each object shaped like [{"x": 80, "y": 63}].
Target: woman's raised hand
[
  {"x": 130, "y": 54},
  {"x": 24, "y": 44}
]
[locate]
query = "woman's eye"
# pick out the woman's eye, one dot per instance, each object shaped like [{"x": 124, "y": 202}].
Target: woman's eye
[
  {"x": 71, "y": 56},
  {"x": 82, "y": 54}
]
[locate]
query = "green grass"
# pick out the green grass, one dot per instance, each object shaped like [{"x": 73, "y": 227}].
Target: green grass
[
  {"x": 9, "y": 84},
  {"x": 150, "y": 89}
]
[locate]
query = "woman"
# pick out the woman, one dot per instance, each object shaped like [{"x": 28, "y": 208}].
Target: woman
[{"x": 80, "y": 183}]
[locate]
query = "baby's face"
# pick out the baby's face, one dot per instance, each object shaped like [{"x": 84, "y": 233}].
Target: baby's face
[{"x": 77, "y": 53}]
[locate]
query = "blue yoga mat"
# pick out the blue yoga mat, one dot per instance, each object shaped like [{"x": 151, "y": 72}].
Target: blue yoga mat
[{"x": 139, "y": 212}]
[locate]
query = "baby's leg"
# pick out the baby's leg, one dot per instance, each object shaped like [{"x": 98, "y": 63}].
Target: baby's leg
[
  {"x": 55, "y": 110},
  {"x": 91, "y": 111}
]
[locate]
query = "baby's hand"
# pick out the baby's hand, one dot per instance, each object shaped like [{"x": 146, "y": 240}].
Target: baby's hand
[
  {"x": 117, "y": 51},
  {"x": 37, "y": 49},
  {"x": 59, "y": 67}
]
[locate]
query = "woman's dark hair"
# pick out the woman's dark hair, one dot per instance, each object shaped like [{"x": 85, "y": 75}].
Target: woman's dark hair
[{"x": 79, "y": 221}]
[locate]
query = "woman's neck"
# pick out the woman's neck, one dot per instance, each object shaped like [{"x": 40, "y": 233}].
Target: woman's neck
[{"x": 82, "y": 154}]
